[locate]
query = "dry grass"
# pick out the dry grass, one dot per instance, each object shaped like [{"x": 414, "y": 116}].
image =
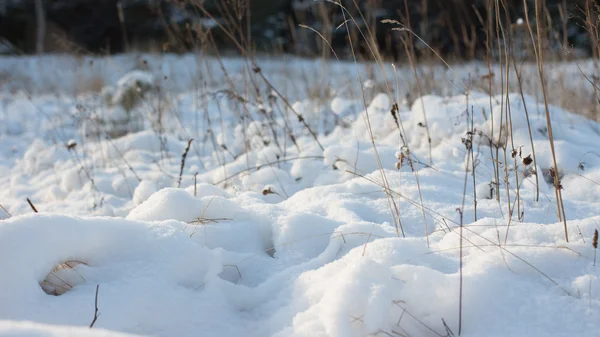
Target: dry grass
[{"x": 58, "y": 281}]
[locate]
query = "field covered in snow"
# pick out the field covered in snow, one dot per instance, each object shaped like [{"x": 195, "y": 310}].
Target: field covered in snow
[{"x": 197, "y": 196}]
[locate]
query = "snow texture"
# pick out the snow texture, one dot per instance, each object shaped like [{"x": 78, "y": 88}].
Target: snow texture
[{"x": 259, "y": 235}]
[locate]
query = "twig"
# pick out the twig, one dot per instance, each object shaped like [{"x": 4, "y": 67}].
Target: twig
[
  {"x": 5, "y": 211},
  {"x": 460, "y": 291},
  {"x": 367, "y": 120},
  {"x": 538, "y": 50},
  {"x": 595, "y": 244},
  {"x": 183, "y": 156},
  {"x": 32, "y": 206},
  {"x": 96, "y": 314},
  {"x": 449, "y": 332},
  {"x": 473, "y": 163},
  {"x": 580, "y": 234},
  {"x": 398, "y": 304}
]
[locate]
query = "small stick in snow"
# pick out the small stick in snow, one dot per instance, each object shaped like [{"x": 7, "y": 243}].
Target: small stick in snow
[
  {"x": 449, "y": 332},
  {"x": 96, "y": 314},
  {"x": 473, "y": 163},
  {"x": 468, "y": 142},
  {"x": 32, "y": 206},
  {"x": 582, "y": 238},
  {"x": 196, "y": 184},
  {"x": 341, "y": 234},
  {"x": 183, "y": 156},
  {"x": 5, "y": 211},
  {"x": 460, "y": 269},
  {"x": 595, "y": 244}
]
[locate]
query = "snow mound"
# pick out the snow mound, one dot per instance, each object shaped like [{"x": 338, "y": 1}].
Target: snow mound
[
  {"x": 177, "y": 204},
  {"x": 143, "y": 191},
  {"x": 369, "y": 230},
  {"x": 124, "y": 257},
  {"x": 155, "y": 278}
]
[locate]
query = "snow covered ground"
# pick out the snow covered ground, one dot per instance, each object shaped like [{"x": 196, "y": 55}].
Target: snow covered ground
[{"x": 295, "y": 212}]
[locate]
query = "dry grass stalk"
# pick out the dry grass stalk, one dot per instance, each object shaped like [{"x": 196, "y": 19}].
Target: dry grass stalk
[
  {"x": 433, "y": 212},
  {"x": 595, "y": 244},
  {"x": 57, "y": 281},
  {"x": 5, "y": 211},
  {"x": 183, "y": 156},
  {"x": 242, "y": 45},
  {"x": 460, "y": 269},
  {"x": 538, "y": 50},
  {"x": 391, "y": 201},
  {"x": 529, "y": 161},
  {"x": 96, "y": 313},
  {"x": 379, "y": 61},
  {"x": 469, "y": 145},
  {"x": 32, "y": 206},
  {"x": 410, "y": 52}
]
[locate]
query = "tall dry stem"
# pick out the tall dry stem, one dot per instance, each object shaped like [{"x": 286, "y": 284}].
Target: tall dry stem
[{"x": 538, "y": 50}]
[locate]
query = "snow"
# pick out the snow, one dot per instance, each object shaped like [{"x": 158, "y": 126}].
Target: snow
[
  {"x": 258, "y": 233},
  {"x": 143, "y": 191},
  {"x": 31, "y": 329}
]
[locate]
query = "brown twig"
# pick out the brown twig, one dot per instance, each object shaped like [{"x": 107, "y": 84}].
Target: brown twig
[
  {"x": 5, "y": 211},
  {"x": 96, "y": 313},
  {"x": 538, "y": 50},
  {"x": 32, "y": 206},
  {"x": 183, "y": 156},
  {"x": 595, "y": 244},
  {"x": 460, "y": 291}
]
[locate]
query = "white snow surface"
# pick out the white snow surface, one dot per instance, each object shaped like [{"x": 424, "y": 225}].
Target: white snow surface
[
  {"x": 264, "y": 237},
  {"x": 32, "y": 329}
]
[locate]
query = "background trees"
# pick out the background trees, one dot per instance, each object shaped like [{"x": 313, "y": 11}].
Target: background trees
[{"x": 453, "y": 27}]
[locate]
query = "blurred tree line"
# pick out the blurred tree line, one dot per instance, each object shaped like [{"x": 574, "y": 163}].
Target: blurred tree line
[{"x": 451, "y": 27}]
